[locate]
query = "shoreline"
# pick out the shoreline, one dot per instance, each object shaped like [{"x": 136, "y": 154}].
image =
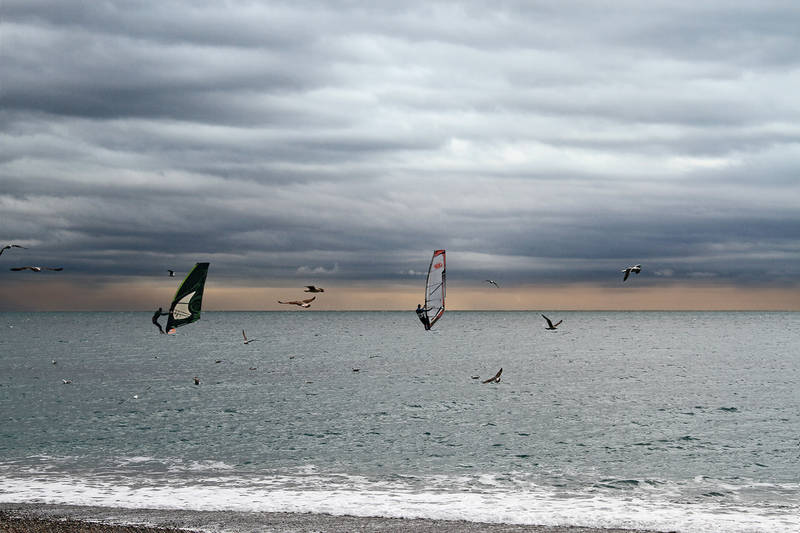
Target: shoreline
[{"x": 55, "y": 518}]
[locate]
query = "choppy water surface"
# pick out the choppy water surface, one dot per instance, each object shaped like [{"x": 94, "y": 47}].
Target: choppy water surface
[{"x": 668, "y": 421}]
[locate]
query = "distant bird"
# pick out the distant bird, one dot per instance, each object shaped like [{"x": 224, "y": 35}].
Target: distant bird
[
  {"x": 53, "y": 361},
  {"x": 246, "y": 340},
  {"x": 302, "y": 303},
  {"x": 37, "y": 269},
  {"x": 635, "y": 269},
  {"x": 66, "y": 381},
  {"x": 171, "y": 273},
  {"x": 196, "y": 380},
  {"x": 356, "y": 369},
  {"x": 495, "y": 378},
  {"x": 9, "y": 246},
  {"x": 312, "y": 288},
  {"x": 550, "y": 324},
  {"x": 492, "y": 282}
]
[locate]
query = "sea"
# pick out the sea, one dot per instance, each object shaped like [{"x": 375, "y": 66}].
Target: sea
[{"x": 665, "y": 421}]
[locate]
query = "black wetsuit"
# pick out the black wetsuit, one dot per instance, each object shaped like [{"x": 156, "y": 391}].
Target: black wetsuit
[
  {"x": 158, "y": 314},
  {"x": 423, "y": 317}
]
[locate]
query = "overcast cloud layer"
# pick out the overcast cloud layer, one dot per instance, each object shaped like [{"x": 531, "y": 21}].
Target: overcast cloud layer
[{"x": 337, "y": 141}]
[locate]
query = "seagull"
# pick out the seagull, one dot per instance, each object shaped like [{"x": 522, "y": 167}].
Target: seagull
[
  {"x": 492, "y": 282},
  {"x": 246, "y": 340},
  {"x": 171, "y": 273},
  {"x": 495, "y": 379},
  {"x": 312, "y": 288},
  {"x": 66, "y": 381},
  {"x": 550, "y": 324},
  {"x": 37, "y": 269},
  {"x": 302, "y": 303},
  {"x": 8, "y": 246},
  {"x": 196, "y": 380},
  {"x": 635, "y": 269}
]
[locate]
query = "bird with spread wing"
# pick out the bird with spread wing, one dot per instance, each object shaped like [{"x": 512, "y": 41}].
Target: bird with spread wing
[{"x": 302, "y": 303}]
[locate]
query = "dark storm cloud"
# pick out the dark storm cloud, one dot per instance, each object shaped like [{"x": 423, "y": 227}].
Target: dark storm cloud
[{"x": 545, "y": 142}]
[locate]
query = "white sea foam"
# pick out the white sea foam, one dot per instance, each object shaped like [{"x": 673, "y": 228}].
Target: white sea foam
[{"x": 654, "y": 509}]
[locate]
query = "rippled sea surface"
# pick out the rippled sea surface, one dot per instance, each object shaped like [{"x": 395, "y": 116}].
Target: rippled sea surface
[{"x": 668, "y": 421}]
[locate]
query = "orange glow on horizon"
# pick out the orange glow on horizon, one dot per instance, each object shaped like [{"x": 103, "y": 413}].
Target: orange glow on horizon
[{"x": 144, "y": 294}]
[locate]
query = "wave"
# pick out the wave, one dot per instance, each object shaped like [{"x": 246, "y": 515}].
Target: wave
[{"x": 699, "y": 505}]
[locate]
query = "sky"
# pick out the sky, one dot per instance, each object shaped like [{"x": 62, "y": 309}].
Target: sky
[{"x": 544, "y": 145}]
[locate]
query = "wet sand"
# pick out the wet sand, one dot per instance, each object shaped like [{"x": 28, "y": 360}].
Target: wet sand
[{"x": 36, "y": 518}]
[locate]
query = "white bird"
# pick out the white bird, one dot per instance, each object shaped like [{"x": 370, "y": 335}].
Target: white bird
[
  {"x": 635, "y": 269},
  {"x": 492, "y": 282},
  {"x": 37, "y": 269},
  {"x": 302, "y": 303},
  {"x": 9, "y": 246},
  {"x": 246, "y": 340},
  {"x": 495, "y": 378},
  {"x": 171, "y": 273},
  {"x": 550, "y": 324},
  {"x": 66, "y": 381},
  {"x": 312, "y": 288}
]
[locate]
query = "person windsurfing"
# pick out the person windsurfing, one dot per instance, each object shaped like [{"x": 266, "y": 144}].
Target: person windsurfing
[
  {"x": 422, "y": 314},
  {"x": 158, "y": 314}
]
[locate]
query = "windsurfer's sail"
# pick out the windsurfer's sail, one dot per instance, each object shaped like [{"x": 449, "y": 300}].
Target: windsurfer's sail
[
  {"x": 185, "y": 307},
  {"x": 434, "y": 288}
]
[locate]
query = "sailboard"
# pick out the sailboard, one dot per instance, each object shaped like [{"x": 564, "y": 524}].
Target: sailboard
[
  {"x": 435, "y": 288},
  {"x": 188, "y": 300}
]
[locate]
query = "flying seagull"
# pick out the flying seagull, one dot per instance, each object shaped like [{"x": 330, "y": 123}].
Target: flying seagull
[
  {"x": 492, "y": 282},
  {"x": 495, "y": 378},
  {"x": 37, "y": 269},
  {"x": 8, "y": 246},
  {"x": 171, "y": 273},
  {"x": 550, "y": 324},
  {"x": 302, "y": 303},
  {"x": 635, "y": 269},
  {"x": 246, "y": 340},
  {"x": 312, "y": 288}
]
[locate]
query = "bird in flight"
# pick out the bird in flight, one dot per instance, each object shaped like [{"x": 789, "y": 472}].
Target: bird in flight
[
  {"x": 550, "y": 324},
  {"x": 37, "y": 269},
  {"x": 8, "y": 246},
  {"x": 312, "y": 288},
  {"x": 492, "y": 282},
  {"x": 635, "y": 269},
  {"x": 171, "y": 273},
  {"x": 302, "y": 303},
  {"x": 246, "y": 340},
  {"x": 495, "y": 378}
]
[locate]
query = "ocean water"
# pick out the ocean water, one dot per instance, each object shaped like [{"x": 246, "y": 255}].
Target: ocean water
[{"x": 666, "y": 421}]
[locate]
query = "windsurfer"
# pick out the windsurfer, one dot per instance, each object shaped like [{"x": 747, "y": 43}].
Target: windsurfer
[
  {"x": 158, "y": 314},
  {"x": 422, "y": 314}
]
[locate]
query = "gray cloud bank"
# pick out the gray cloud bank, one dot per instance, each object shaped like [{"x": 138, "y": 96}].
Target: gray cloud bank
[{"x": 536, "y": 141}]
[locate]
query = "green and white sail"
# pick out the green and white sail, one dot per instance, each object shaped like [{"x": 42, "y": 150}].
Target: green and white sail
[{"x": 186, "y": 305}]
